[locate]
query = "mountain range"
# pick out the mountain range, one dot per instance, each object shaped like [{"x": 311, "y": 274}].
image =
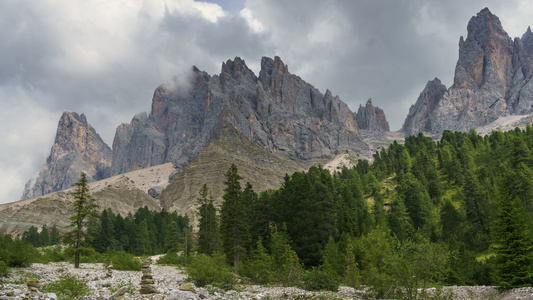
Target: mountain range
[{"x": 269, "y": 124}]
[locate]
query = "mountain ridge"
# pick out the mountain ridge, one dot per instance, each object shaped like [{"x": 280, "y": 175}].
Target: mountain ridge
[{"x": 275, "y": 110}]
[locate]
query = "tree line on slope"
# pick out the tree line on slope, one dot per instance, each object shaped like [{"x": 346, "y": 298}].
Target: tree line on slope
[{"x": 462, "y": 205}]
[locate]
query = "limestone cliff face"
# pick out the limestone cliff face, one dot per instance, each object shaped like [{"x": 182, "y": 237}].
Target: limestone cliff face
[
  {"x": 371, "y": 118},
  {"x": 276, "y": 110},
  {"x": 77, "y": 148},
  {"x": 492, "y": 79}
]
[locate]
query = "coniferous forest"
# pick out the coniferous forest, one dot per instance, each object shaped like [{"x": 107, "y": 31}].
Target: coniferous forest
[{"x": 457, "y": 211}]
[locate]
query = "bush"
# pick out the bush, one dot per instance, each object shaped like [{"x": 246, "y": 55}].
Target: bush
[
  {"x": 258, "y": 267},
  {"x": 68, "y": 286},
  {"x": 123, "y": 261},
  {"x": 4, "y": 269},
  {"x": 171, "y": 258},
  {"x": 52, "y": 254},
  {"x": 22, "y": 254},
  {"x": 205, "y": 269},
  {"x": 322, "y": 278}
]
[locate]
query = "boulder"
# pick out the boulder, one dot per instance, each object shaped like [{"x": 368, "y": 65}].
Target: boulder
[{"x": 182, "y": 295}]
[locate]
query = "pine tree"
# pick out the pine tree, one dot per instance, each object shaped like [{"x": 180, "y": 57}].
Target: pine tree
[
  {"x": 332, "y": 255},
  {"x": 31, "y": 236},
  {"x": 451, "y": 221},
  {"x": 351, "y": 274},
  {"x": 173, "y": 238},
  {"x": 477, "y": 208},
  {"x": 105, "y": 237},
  {"x": 234, "y": 224},
  {"x": 54, "y": 236},
  {"x": 44, "y": 237},
  {"x": 258, "y": 267},
  {"x": 208, "y": 232},
  {"x": 286, "y": 265},
  {"x": 84, "y": 210},
  {"x": 514, "y": 260},
  {"x": 142, "y": 239}
]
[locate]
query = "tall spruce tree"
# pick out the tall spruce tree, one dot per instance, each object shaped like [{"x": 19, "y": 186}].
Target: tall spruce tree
[
  {"x": 54, "y": 236},
  {"x": 84, "y": 210},
  {"x": 234, "y": 223},
  {"x": 208, "y": 232},
  {"x": 514, "y": 253}
]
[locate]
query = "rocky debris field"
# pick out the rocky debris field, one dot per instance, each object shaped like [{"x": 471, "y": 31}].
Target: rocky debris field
[{"x": 169, "y": 283}]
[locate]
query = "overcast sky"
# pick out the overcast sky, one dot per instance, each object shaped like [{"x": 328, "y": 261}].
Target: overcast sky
[{"x": 105, "y": 58}]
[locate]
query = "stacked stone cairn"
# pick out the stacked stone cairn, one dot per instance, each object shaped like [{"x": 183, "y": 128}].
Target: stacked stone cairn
[
  {"x": 110, "y": 270},
  {"x": 147, "y": 281},
  {"x": 33, "y": 284}
]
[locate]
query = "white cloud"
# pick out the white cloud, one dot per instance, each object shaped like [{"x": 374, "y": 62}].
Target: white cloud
[
  {"x": 27, "y": 135},
  {"x": 253, "y": 22}
]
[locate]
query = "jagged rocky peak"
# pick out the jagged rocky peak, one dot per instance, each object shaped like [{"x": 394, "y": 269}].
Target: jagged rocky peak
[
  {"x": 492, "y": 79},
  {"x": 370, "y": 117},
  {"x": 77, "y": 148},
  {"x": 485, "y": 57},
  {"x": 419, "y": 116},
  {"x": 277, "y": 110}
]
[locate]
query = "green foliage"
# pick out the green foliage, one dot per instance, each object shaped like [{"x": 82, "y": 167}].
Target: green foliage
[
  {"x": 234, "y": 224},
  {"x": 68, "y": 286},
  {"x": 378, "y": 249},
  {"x": 208, "y": 230},
  {"x": 205, "y": 269},
  {"x": 352, "y": 273},
  {"x": 513, "y": 262},
  {"x": 259, "y": 265},
  {"x": 84, "y": 210},
  {"x": 287, "y": 268},
  {"x": 21, "y": 254},
  {"x": 4, "y": 269},
  {"x": 54, "y": 236},
  {"x": 53, "y": 254},
  {"x": 170, "y": 258},
  {"x": 306, "y": 204},
  {"x": 123, "y": 261},
  {"x": 31, "y": 236},
  {"x": 333, "y": 257},
  {"x": 321, "y": 278}
]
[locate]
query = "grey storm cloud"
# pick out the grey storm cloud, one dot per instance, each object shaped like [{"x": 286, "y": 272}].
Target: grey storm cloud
[{"x": 106, "y": 59}]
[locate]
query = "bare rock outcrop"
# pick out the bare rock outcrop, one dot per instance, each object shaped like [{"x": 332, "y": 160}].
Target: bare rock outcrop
[
  {"x": 77, "y": 148},
  {"x": 492, "y": 79},
  {"x": 370, "y": 117},
  {"x": 275, "y": 110}
]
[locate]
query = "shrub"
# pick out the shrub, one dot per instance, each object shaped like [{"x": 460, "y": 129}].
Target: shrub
[
  {"x": 68, "y": 286},
  {"x": 52, "y": 254},
  {"x": 258, "y": 267},
  {"x": 123, "y": 261},
  {"x": 4, "y": 269},
  {"x": 22, "y": 254},
  {"x": 171, "y": 258},
  {"x": 321, "y": 278},
  {"x": 205, "y": 269}
]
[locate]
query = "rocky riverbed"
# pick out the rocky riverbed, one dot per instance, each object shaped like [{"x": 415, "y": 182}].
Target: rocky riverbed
[{"x": 170, "y": 284}]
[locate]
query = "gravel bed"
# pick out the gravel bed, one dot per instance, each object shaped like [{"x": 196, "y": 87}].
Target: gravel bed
[{"x": 168, "y": 280}]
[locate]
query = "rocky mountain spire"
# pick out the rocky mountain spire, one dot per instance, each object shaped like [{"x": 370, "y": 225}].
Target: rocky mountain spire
[
  {"x": 371, "y": 118},
  {"x": 485, "y": 57},
  {"x": 77, "y": 148},
  {"x": 492, "y": 78},
  {"x": 419, "y": 116}
]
